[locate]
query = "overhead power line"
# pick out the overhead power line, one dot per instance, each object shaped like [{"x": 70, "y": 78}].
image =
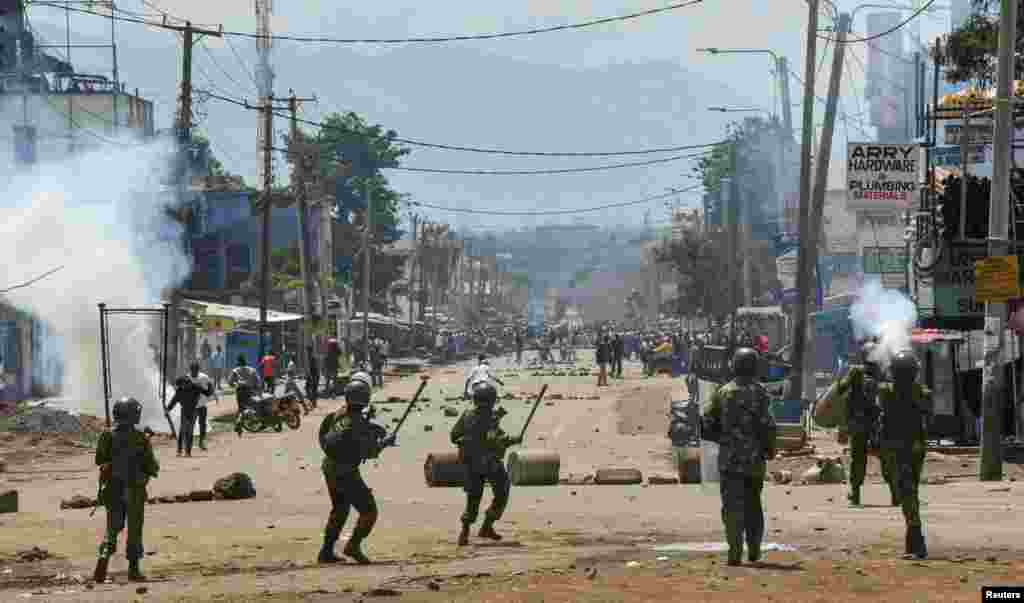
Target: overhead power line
[
  {"x": 561, "y": 212},
  {"x": 893, "y": 29},
  {"x": 448, "y": 147},
  {"x": 411, "y": 40},
  {"x": 32, "y": 281},
  {"x": 599, "y": 168}
]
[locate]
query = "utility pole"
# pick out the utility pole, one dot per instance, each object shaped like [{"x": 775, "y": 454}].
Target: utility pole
[
  {"x": 305, "y": 158},
  {"x": 367, "y": 266},
  {"x": 804, "y": 282},
  {"x": 990, "y": 465},
  {"x": 821, "y": 183},
  {"x": 265, "y": 204},
  {"x": 412, "y": 279},
  {"x": 184, "y": 126}
]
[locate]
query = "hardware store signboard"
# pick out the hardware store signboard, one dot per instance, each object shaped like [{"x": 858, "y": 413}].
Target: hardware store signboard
[
  {"x": 954, "y": 281},
  {"x": 882, "y": 176}
]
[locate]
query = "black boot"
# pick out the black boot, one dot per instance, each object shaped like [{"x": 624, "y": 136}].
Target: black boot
[
  {"x": 134, "y": 571},
  {"x": 917, "y": 540},
  {"x": 854, "y": 496},
  {"x": 100, "y": 574},
  {"x": 487, "y": 530},
  {"x": 464, "y": 535},
  {"x": 353, "y": 549},
  {"x": 327, "y": 550}
]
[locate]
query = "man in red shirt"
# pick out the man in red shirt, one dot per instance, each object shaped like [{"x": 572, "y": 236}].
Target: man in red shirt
[
  {"x": 761, "y": 343},
  {"x": 267, "y": 367}
]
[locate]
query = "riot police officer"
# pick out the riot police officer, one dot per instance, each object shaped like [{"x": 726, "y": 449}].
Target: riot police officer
[
  {"x": 482, "y": 445},
  {"x": 862, "y": 412},
  {"x": 348, "y": 439},
  {"x": 907, "y": 406},
  {"x": 127, "y": 463},
  {"x": 739, "y": 419}
]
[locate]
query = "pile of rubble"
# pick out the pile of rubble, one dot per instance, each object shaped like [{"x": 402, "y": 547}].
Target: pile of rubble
[{"x": 42, "y": 419}]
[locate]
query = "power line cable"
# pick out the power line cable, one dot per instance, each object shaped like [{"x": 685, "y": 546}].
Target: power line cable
[
  {"x": 447, "y": 147},
  {"x": 429, "y": 39},
  {"x": 562, "y": 212},
  {"x": 600, "y": 168},
  {"x": 245, "y": 67},
  {"x": 220, "y": 67},
  {"x": 895, "y": 28},
  {"x": 32, "y": 281},
  {"x": 844, "y": 115}
]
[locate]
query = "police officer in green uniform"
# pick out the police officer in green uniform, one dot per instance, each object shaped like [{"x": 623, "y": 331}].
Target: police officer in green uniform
[
  {"x": 739, "y": 419},
  {"x": 907, "y": 407},
  {"x": 348, "y": 439},
  {"x": 862, "y": 413},
  {"x": 127, "y": 463},
  {"x": 482, "y": 445}
]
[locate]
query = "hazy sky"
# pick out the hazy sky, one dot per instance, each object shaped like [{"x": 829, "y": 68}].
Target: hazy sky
[{"x": 623, "y": 86}]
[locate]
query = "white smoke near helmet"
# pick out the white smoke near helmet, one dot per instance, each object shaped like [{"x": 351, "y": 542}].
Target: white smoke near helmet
[
  {"x": 886, "y": 314},
  {"x": 99, "y": 216}
]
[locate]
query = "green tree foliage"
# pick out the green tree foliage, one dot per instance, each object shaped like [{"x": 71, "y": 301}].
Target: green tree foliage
[
  {"x": 214, "y": 167},
  {"x": 350, "y": 128},
  {"x": 969, "y": 53},
  {"x": 743, "y": 134}
]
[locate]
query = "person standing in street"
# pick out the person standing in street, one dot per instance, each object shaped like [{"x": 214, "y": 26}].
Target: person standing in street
[
  {"x": 247, "y": 383},
  {"x": 267, "y": 364},
  {"x": 209, "y": 393},
  {"x": 519, "y": 346},
  {"x": 482, "y": 445},
  {"x": 618, "y": 350},
  {"x": 127, "y": 462},
  {"x": 603, "y": 354},
  {"x": 217, "y": 367},
  {"x": 312, "y": 378},
  {"x": 376, "y": 364},
  {"x": 348, "y": 440},
  {"x": 187, "y": 392},
  {"x": 860, "y": 386},
  {"x": 739, "y": 419},
  {"x": 906, "y": 410}
]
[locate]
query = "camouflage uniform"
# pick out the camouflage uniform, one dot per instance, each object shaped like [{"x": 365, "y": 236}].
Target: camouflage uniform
[
  {"x": 482, "y": 445},
  {"x": 904, "y": 429},
  {"x": 739, "y": 419},
  {"x": 356, "y": 441},
  {"x": 861, "y": 419},
  {"x": 125, "y": 456}
]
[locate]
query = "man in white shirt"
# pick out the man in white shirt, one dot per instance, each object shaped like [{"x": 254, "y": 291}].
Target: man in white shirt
[
  {"x": 482, "y": 372},
  {"x": 206, "y": 384}
]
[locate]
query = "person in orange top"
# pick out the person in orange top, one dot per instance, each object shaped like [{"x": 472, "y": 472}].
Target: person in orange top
[{"x": 267, "y": 367}]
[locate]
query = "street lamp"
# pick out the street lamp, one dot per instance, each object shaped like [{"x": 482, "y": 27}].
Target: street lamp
[{"x": 781, "y": 75}]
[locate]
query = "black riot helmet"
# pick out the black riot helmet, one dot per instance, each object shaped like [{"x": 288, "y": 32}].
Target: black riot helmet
[
  {"x": 485, "y": 394},
  {"x": 357, "y": 392},
  {"x": 127, "y": 411},
  {"x": 745, "y": 362},
  {"x": 904, "y": 367}
]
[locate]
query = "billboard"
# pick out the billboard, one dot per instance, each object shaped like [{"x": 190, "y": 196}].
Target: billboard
[
  {"x": 882, "y": 176},
  {"x": 954, "y": 282},
  {"x": 889, "y": 78}
]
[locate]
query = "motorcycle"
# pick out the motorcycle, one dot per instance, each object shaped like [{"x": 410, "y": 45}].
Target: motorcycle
[
  {"x": 267, "y": 412},
  {"x": 291, "y": 388}
]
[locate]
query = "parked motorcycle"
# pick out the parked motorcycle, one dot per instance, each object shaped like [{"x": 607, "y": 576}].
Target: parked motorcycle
[
  {"x": 267, "y": 412},
  {"x": 291, "y": 388}
]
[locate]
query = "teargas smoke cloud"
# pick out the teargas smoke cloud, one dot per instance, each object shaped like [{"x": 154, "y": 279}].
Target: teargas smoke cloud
[
  {"x": 99, "y": 216},
  {"x": 886, "y": 314}
]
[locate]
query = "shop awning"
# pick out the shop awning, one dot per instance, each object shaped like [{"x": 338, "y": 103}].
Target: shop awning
[{"x": 239, "y": 313}]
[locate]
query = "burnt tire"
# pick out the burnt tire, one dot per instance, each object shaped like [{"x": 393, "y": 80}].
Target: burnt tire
[{"x": 294, "y": 420}]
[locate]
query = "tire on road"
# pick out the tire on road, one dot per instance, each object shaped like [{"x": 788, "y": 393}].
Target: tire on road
[{"x": 534, "y": 467}]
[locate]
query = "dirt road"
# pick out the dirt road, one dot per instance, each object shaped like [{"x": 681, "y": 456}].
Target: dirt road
[{"x": 264, "y": 548}]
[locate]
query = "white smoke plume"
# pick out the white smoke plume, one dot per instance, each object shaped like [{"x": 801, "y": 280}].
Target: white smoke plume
[
  {"x": 99, "y": 216},
  {"x": 886, "y": 314}
]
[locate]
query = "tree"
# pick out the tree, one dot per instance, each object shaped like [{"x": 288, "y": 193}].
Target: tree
[
  {"x": 969, "y": 53},
  {"x": 349, "y": 128},
  {"x": 207, "y": 162}
]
